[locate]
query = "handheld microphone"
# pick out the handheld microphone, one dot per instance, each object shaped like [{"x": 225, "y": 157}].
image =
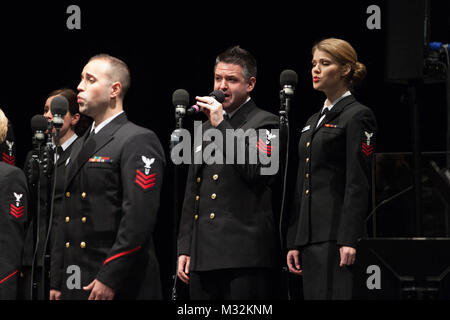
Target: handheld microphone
[
  {"x": 59, "y": 107},
  {"x": 38, "y": 127},
  {"x": 216, "y": 94}
]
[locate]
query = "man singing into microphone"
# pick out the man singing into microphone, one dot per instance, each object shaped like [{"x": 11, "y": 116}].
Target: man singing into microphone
[
  {"x": 227, "y": 247},
  {"x": 114, "y": 175}
]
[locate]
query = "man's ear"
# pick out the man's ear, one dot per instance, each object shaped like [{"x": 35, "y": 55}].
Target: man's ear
[
  {"x": 251, "y": 84},
  {"x": 116, "y": 89},
  {"x": 75, "y": 119}
]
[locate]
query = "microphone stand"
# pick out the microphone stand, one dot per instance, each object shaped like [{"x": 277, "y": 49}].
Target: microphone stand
[
  {"x": 47, "y": 162},
  {"x": 285, "y": 104},
  {"x": 34, "y": 167},
  {"x": 45, "y": 279},
  {"x": 174, "y": 140}
]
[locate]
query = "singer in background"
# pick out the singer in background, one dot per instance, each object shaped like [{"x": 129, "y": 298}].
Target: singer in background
[
  {"x": 227, "y": 243},
  {"x": 75, "y": 125},
  {"x": 104, "y": 245},
  {"x": 334, "y": 177},
  {"x": 13, "y": 215}
]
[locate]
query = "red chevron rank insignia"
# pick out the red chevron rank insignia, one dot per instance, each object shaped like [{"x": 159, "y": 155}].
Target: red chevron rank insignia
[
  {"x": 9, "y": 159},
  {"x": 17, "y": 211},
  {"x": 145, "y": 181},
  {"x": 367, "y": 148},
  {"x": 263, "y": 147}
]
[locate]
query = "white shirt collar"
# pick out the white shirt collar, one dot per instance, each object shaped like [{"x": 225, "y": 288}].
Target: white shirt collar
[
  {"x": 69, "y": 141},
  {"x": 104, "y": 123},
  {"x": 346, "y": 94}
]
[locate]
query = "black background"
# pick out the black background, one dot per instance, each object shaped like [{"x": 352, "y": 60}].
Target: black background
[{"x": 168, "y": 45}]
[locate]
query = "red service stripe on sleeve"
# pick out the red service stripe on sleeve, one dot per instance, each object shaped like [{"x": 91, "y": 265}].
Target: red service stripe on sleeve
[
  {"x": 268, "y": 152},
  {"x": 144, "y": 186},
  {"x": 145, "y": 181},
  {"x": 145, "y": 176},
  {"x": 265, "y": 146},
  {"x": 17, "y": 211},
  {"x": 1, "y": 281},
  {"x": 368, "y": 150},
  {"x": 9, "y": 159},
  {"x": 121, "y": 254}
]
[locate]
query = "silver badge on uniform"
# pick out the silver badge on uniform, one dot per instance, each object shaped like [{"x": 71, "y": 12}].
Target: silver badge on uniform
[{"x": 148, "y": 162}]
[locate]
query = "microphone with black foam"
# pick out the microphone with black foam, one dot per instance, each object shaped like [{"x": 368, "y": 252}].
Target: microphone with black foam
[
  {"x": 288, "y": 82},
  {"x": 216, "y": 94},
  {"x": 38, "y": 127},
  {"x": 180, "y": 100},
  {"x": 59, "y": 107}
]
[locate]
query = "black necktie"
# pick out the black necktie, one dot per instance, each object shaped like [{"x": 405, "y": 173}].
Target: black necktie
[
  {"x": 324, "y": 111},
  {"x": 226, "y": 116},
  {"x": 91, "y": 134}
]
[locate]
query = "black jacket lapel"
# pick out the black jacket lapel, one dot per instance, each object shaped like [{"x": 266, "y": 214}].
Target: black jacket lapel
[
  {"x": 241, "y": 116},
  {"x": 65, "y": 155},
  {"x": 334, "y": 112},
  {"x": 95, "y": 143}
]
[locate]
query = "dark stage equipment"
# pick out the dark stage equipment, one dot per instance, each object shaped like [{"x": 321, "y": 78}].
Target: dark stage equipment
[
  {"x": 403, "y": 269},
  {"x": 413, "y": 61}
]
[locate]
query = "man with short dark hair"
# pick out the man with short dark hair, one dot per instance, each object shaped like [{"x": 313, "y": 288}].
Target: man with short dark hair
[
  {"x": 227, "y": 243},
  {"x": 105, "y": 246}
]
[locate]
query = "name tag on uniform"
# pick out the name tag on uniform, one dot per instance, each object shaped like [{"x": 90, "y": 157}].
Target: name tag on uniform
[{"x": 306, "y": 128}]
